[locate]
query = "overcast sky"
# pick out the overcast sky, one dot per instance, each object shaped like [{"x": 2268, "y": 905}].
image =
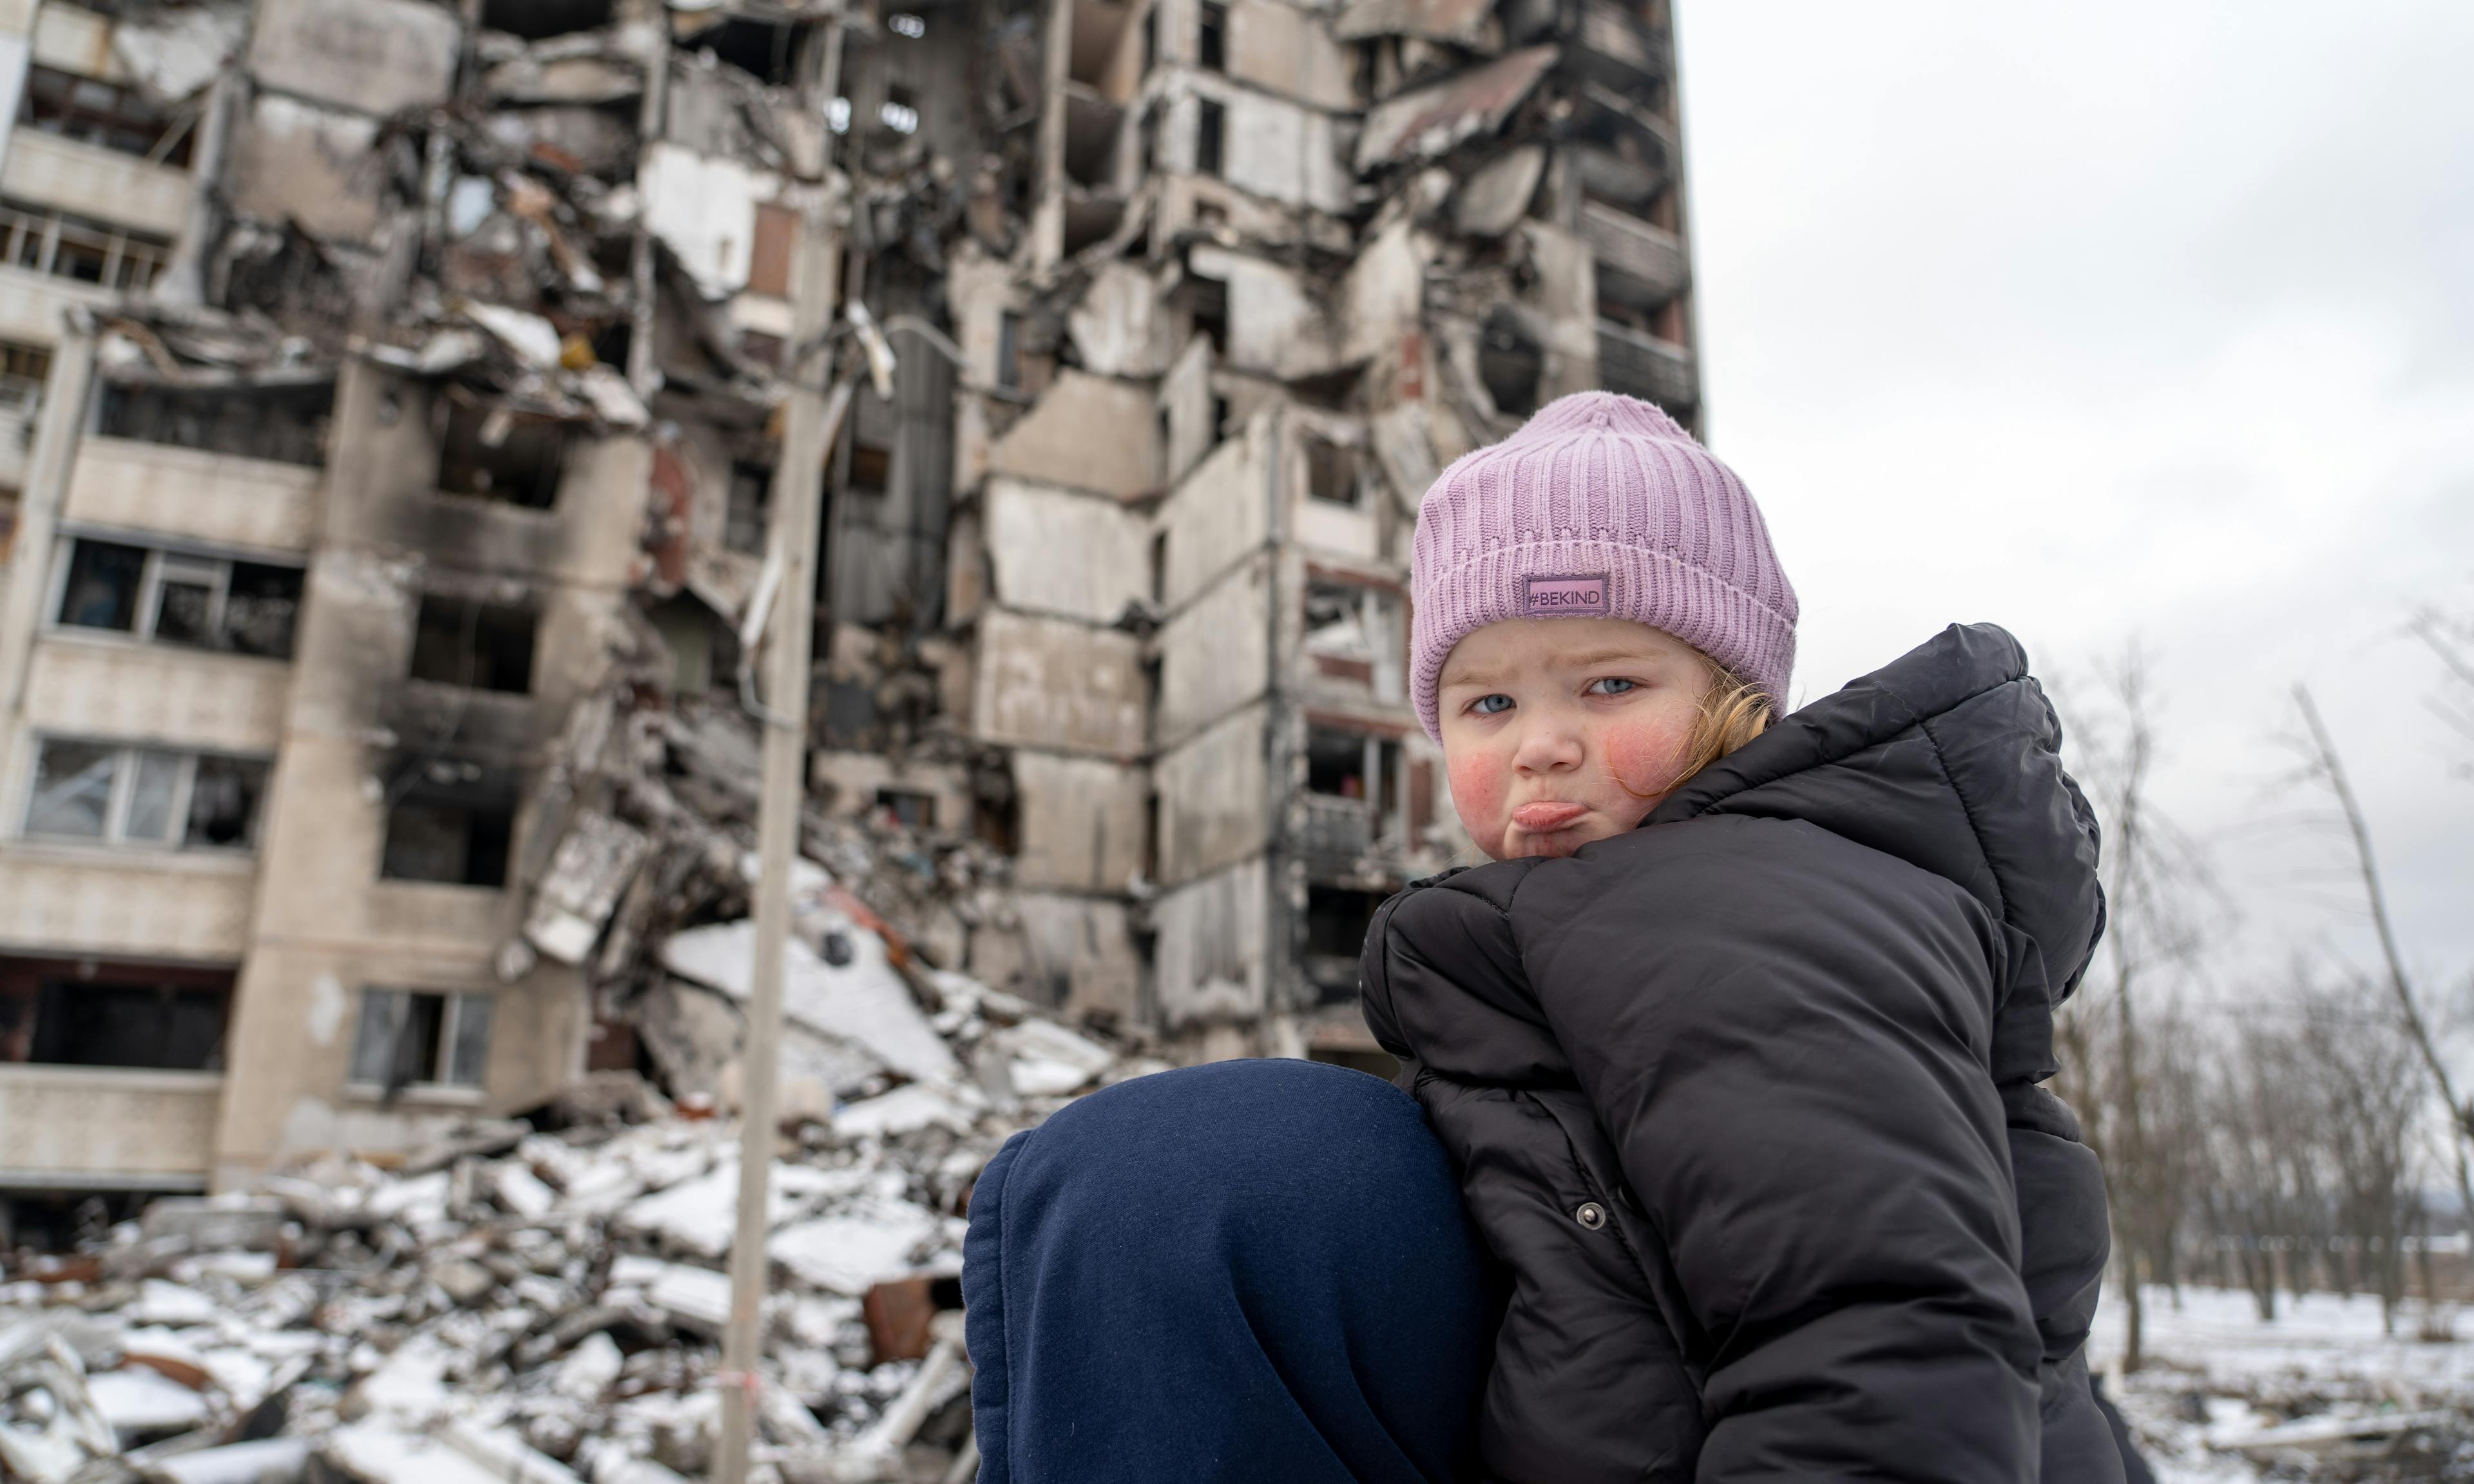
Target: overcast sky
[{"x": 2121, "y": 321}]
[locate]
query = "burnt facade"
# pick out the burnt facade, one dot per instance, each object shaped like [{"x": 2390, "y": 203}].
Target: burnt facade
[{"x": 397, "y": 394}]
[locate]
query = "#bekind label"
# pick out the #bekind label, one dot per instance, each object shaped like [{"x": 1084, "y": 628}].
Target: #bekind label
[{"x": 1565, "y": 597}]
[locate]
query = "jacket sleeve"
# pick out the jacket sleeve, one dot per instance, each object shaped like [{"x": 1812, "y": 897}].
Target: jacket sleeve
[{"x": 1790, "y": 1057}]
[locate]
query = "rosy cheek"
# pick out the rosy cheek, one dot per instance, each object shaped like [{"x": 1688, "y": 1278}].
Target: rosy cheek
[
  {"x": 1645, "y": 756},
  {"x": 1479, "y": 784}
]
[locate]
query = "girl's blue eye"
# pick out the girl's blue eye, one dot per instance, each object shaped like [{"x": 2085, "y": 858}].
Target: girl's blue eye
[
  {"x": 1491, "y": 706},
  {"x": 1613, "y": 685}
]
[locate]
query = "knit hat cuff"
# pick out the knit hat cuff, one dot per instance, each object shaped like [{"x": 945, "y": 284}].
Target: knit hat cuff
[{"x": 1723, "y": 621}]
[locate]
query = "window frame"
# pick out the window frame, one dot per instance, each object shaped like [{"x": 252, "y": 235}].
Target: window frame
[
  {"x": 25, "y": 373},
  {"x": 30, "y": 238},
  {"x": 64, "y": 104},
  {"x": 439, "y": 1085},
  {"x": 147, "y": 616},
  {"x": 128, "y": 760}
]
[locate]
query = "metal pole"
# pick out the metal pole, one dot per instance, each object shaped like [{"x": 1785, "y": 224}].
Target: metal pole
[{"x": 809, "y": 422}]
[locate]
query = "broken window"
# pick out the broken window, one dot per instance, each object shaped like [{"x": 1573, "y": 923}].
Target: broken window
[
  {"x": 766, "y": 50},
  {"x": 97, "y": 1012},
  {"x": 246, "y": 608},
  {"x": 701, "y": 642},
  {"x": 261, "y": 603},
  {"x": 93, "y": 111},
  {"x": 24, "y": 371},
  {"x": 285, "y": 424},
  {"x": 480, "y": 646},
  {"x": 1350, "y": 765},
  {"x": 1337, "y": 921},
  {"x": 73, "y": 246},
  {"x": 144, "y": 796},
  {"x": 1209, "y": 138},
  {"x": 452, "y": 822},
  {"x": 1331, "y": 472},
  {"x": 492, "y": 453},
  {"x": 750, "y": 507},
  {"x": 1211, "y": 41},
  {"x": 408, "y": 1038},
  {"x": 537, "y": 21},
  {"x": 1209, "y": 301},
  {"x": 1511, "y": 363},
  {"x": 1338, "y": 634},
  {"x": 104, "y": 581},
  {"x": 910, "y": 808}
]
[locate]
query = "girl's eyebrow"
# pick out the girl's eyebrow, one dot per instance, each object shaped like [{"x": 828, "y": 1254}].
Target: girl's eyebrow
[
  {"x": 1486, "y": 677},
  {"x": 1598, "y": 656}
]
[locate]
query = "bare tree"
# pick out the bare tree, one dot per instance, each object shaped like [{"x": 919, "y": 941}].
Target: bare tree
[
  {"x": 2328, "y": 768},
  {"x": 2156, "y": 887},
  {"x": 2313, "y": 1111},
  {"x": 2373, "y": 1093},
  {"x": 2450, "y": 638}
]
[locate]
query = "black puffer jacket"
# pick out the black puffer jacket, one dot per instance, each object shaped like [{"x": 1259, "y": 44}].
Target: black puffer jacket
[{"x": 1746, "y": 1101}]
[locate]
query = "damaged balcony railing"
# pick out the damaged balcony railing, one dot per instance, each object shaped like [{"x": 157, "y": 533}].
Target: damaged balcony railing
[
  {"x": 1638, "y": 263},
  {"x": 1646, "y": 366}
]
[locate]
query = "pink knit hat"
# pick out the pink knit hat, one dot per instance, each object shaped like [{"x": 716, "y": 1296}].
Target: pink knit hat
[{"x": 1600, "y": 506}]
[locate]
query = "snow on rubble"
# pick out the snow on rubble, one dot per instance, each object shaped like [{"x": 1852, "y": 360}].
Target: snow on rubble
[
  {"x": 2324, "y": 1391},
  {"x": 542, "y": 1299}
]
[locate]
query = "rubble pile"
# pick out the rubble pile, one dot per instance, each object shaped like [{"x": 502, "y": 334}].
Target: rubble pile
[{"x": 541, "y": 1299}]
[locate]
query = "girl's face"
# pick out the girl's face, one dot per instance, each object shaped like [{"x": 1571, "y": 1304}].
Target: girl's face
[{"x": 1557, "y": 731}]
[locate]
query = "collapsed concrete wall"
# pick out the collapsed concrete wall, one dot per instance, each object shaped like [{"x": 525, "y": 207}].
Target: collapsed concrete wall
[{"x": 1184, "y": 303}]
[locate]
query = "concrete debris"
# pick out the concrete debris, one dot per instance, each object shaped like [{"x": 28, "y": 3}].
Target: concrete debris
[
  {"x": 478, "y": 320},
  {"x": 171, "y": 55},
  {"x": 592, "y": 866},
  {"x": 1430, "y": 121},
  {"x": 541, "y": 1299},
  {"x": 265, "y": 1461}
]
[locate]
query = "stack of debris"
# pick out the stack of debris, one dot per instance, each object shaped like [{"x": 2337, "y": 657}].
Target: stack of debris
[
  {"x": 653, "y": 813},
  {"x": 541, "y": 1299}
]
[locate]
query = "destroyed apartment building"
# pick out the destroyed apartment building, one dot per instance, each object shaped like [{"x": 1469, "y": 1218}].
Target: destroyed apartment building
[{"x": 393, "y": 390}]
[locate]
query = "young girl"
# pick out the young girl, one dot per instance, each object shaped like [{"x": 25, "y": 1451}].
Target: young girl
[{"x": 1736, "y": 1048}]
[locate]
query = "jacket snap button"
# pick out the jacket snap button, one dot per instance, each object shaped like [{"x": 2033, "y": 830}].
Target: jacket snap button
[{"x": 1591, "y": 1215}]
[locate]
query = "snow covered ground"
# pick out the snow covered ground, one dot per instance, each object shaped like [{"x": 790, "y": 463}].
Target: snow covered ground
[{"x": 2226, "y": 1398}]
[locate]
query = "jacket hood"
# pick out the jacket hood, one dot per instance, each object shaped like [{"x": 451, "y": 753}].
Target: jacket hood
[{"x": 1948, "y": 759}]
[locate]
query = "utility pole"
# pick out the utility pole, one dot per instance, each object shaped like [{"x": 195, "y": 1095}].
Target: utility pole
[{"x": 810, "y": 419}]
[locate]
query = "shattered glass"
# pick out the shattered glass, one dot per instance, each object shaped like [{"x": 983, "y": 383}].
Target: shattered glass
[
  {"x": 72, "y": 790},
  {"x": 468, "y": 1061},
  {"x": 260, "y": 606},
  {"x": 184, "y": 603},
  {"x": 223, "y": 802},
  {"x": 102, "y": 587},
  {"x": 150, "y": 796}
]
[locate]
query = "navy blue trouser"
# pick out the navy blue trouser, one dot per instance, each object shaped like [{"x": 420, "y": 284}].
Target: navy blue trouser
[{"x": 1254, "y": 1271}]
